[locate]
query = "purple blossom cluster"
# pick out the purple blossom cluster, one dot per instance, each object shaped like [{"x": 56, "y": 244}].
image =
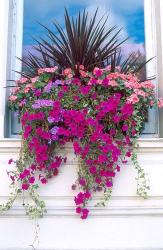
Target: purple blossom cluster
[
  {"x": 41, "y": 103},
  {"x": 52, "y": 84}
]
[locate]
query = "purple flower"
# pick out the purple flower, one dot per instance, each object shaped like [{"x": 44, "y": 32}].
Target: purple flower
[
  {"x": 23, "y": 102},
  {"x": 51, "y": 119},
  {"x": 82, "y": 182},
  {"x": 54, "y": 130},
  {"x": 42, "y": 103},
  {"x": 48, "y": 87},
  {"x": 54, "y": 119},
  {"x": 57, "y": 82},
  {"x": 51, "y": 84},
  {"x": 68, "y": 81},
  {"x": 55, "y": 137}
]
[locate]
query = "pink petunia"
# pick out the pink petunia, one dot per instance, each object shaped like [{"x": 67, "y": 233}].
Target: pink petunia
[
  {"x": 10, "y": 161},
  {"x": 25, "y": 186},
  {"x": 85, "y": 213},
  {"x": 32, "y": 180},
  {"x": 78, "y": 210}
]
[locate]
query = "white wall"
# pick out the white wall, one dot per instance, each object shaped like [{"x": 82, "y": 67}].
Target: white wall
[{"x": 128, "y": 222}]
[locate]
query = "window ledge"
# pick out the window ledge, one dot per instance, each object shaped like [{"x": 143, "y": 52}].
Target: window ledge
[{"x": 12, "y": 145}]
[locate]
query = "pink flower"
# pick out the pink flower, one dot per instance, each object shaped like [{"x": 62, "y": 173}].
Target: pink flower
[
  {"x": 10, "y": 161},
  {"x": 12, "y": 98},
  {"x": 133, "y": 132},
  {"x": 32, "y": 180},
  {"x": 125, "y": 127},
  {"x": 128, "y": 154},
  {"x": 112, "y": 132},
  {"x": 118, "y": 168},
  {"x": 108, "y": 67},
  {"x": 34, "y": 79},
  {"x": 27, "y": 131},
  {"x": 22, "y": 80},
  {"x": 127, "y": 109},
  {"x": 67, "y": 72},
  {"x": 140, "y": 92},
  {"x": 79, "y": 199},
  {"x": 92, "y": 170},
  {"x": 76, "y": 98},
  {"x": 26, "y": 90},
  {"x": 24, "y": 174},
  {"x": 43, "y": 180},
  {"x": 15, "y": 90},
  {"x": 25, "y": 186},
  {"x": 113, "y": 83},
  {"x": 48, "y": 70},
  {"x": 133, "y": 99},
  {"x": 148, "y": 85},
  {"x": 92, "y": 81},
  {"x": 85, "y": 212},
  {"x": 102, "y": 158},
  {"x": 97, "y": 72},
  {"x": 116, "y": 118},
  {"x": 109, "y": 184},
  {"x": 40, "y": 71},
  {"x": 83, "y": 73},
  {"x": 87, "y": 195},
  {"x": 160, "y": 102},
  {"x": 78, "y": 210},
  {"x": 29, "y": 85},
  {"x": 77, "y": 148},
  {"x": 152, "y": 103},
  {"x": 69, "y": 76},
  {"x": 98, "y": 180},
  {"x": 82, "y": 182},
  {"x": 85, "y": 90},
  {"x": 128, "y": 85}
]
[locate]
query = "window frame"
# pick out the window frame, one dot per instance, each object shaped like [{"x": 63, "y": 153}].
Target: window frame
[{"x": 152, "y": 17}]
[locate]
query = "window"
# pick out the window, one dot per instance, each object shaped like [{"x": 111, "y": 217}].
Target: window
[{"x": 138, "y": 19}]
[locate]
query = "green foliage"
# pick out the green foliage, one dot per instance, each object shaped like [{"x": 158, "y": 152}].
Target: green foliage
[{"x": 142, "y": 178}]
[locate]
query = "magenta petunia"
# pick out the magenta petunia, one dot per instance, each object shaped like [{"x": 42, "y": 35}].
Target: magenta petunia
[{"x": 25, "y": 186}]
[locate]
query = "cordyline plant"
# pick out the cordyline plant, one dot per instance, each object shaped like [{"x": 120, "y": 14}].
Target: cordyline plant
[{"x": 79, "y": 90}]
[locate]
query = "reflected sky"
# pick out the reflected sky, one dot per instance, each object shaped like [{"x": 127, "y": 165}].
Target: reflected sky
[{"x": 128, "y": 14}]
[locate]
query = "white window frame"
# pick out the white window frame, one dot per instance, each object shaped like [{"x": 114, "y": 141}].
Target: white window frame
[
  {"x": 11, "y": 36},
  {"x": 11, "y": 14}
]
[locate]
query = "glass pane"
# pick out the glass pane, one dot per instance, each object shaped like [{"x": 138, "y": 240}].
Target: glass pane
[{"x": 125, "y": 14}]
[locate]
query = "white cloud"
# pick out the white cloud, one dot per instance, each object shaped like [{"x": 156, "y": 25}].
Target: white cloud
[
  {"x": 43, "y": 6},
  {"x": 113, "y": 19},
  {"x": 119, "y": 5},
  {"x": 115, "y": 9}
]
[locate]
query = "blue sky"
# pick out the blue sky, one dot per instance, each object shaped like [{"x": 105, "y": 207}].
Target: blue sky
[{"x": 128, "y": 14}]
